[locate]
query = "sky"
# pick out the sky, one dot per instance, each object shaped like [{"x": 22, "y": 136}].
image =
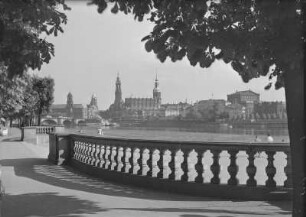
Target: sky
[{"x": 95, "y": 47}]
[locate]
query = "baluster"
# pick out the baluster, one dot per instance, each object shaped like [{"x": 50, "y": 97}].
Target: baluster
[
  {"x": 131, "y": 159},
  {"x": 199, "y": 167},
  {"x": 75, "y": 147},
  {"x": 251, "y": 168},
  {"x": 102, "y": 153},
  {"x": 215, "y": 167},
  {"x": 288, "y": 171},
  {"x": 84, "y": 152},
  {"x": 184, "y": 165},
  {"x": 149, "y": 162},
  {"x": 123, "y": 160},
  {"x": 82, "y": 148},
  {"x": 270, "y": 169},
  {"x": 97, "y": 159},
  {"x": 106, "y": 156},
  {"x": 89, "y": 154},
  {"x": 113, "y": 157},
  {"x": 80, "y": 155},
  {"x": 119, "y": 159},
  {"x": 160, "y": 164},
  {"x": 126, "y": 160},
  {"x": 80, "y": 151},
  {"x": 92, "y": 155},
  {"x": 139, "y": 161},
  {"x": 172, "y": 164},
  {"x": 233, "y": 167}
]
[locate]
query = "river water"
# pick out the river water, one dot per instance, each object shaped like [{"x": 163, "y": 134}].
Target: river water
[{"x": 230, "y": 135}]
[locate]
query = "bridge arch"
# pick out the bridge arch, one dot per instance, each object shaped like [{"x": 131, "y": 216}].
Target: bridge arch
[
  {"x": 67, "y": 123},
  {"x": 48, "y": 122},
  {"x": 81, "y": 122}
]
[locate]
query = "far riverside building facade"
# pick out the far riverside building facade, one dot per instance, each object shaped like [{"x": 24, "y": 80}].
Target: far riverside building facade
[{"x": 71, "y": 110}]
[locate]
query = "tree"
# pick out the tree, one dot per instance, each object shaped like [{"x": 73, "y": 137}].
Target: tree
[
  {"x": 44, "y": 88},
  {"x": 11, "y": 93},
  {"x": 21, "y": 24},
  {"x": 257, "y": 37},
  {"x": 29, "y": 103}
]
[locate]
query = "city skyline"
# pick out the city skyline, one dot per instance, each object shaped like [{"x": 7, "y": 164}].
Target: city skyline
[{"x": 95, "y": 47}]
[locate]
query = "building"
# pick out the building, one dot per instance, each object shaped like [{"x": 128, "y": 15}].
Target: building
[
  {"x": 174, "y": 110},
  {"x": 235, "y": 111},
  {"x": 243, "y": 97},
  {"x": 92, "y": 108},
  {"x": 270, "y": 110},
  {"x": 247, "y": 98},
  {"x": 135, "y": 107},
  {"x": 70, "y": 110},
  {"x": 146, "y": 106}
]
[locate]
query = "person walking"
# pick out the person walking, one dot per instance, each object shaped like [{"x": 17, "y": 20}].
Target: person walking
[{"x": 269, "y": 138}]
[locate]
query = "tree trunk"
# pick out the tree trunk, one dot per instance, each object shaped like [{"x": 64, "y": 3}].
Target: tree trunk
[
  {"x": 38, "y": 119},
  {"x": 294, "y": 89},
  {"x": 39, "y": 116}
]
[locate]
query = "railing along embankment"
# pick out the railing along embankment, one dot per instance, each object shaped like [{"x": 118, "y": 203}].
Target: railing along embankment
[
  {"x": 257, "y": 171},
  {"x": 39, "y": 134}
]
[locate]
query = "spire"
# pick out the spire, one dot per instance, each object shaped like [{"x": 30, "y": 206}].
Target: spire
[
  {"x": 118, "y": 93},
  {"x": 156, "y": 81},
  {"x": 118, "y": 79}
]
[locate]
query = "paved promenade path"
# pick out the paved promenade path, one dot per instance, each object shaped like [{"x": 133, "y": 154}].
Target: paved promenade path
[{"x": 35, "y": 187}]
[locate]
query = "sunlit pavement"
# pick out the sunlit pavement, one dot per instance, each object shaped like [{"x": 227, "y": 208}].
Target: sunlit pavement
[{"x": 35, "y": 187}]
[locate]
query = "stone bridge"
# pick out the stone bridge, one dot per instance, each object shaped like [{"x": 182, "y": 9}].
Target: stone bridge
[{"x": 66, "y": 121}]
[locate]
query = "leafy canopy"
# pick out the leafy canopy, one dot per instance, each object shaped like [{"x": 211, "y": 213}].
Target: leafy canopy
[
  {"x": 256, "y": 37},
  {"x": 21, "y": 24}
]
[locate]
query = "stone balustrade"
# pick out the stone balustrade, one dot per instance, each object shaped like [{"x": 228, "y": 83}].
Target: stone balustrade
[
  {"x": 256, "y": 171},
  {"x": 45, "y": 129},
  {"x": 38, "y": 134}
]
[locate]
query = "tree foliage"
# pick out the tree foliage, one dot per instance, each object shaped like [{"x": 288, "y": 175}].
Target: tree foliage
[
  {"x": 44, "y": 89},
  {"x": 253, "y": 36},
  {"x": 24, "y": 97},
  {"x": 21, "y": 23},
  {"x": 11, "y": 93}
]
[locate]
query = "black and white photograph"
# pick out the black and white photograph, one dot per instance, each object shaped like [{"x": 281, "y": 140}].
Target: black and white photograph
[{"x": 152, "y": 108}]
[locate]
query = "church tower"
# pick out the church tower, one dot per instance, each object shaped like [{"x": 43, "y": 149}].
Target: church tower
[
  {"x": 69, "y": 105},
  {"x": 94, "y": 101},
  {"x": 118, "y": 94},
  {"x": 157, "y": 93}
]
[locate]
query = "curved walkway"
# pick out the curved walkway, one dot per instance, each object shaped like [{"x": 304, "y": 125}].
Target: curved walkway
[{"x": 35, "y": 187}]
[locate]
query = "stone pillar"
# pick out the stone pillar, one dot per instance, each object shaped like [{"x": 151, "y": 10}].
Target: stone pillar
[
  {"x": 59, "y": 129},
  {"x": 59, "y": 148},
  {"x": 75, "y": 121},
  {"x": 60, "y": 121}
]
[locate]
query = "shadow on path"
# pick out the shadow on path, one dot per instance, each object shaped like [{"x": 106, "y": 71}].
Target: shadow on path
[
  {"x": 47, "y": 204},
  {"x": 12, "y": 139},
  {"x": 41, "y": 170},
  {"x": 209, "y": 210}
]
